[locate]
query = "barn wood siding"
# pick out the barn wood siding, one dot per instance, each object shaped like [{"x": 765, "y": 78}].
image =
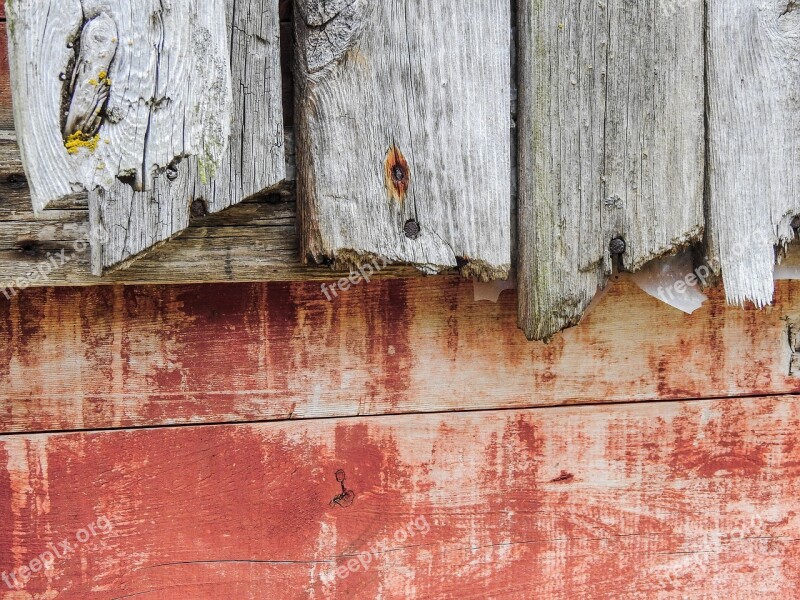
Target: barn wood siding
[
  {"x": 676, "y": 498},
  {"x": 109, "y": 357}
]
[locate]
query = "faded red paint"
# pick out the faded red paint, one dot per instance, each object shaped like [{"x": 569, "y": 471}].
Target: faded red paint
[
  {"x": 234, "y": 511},
  {"x": 148, "y": 355}
]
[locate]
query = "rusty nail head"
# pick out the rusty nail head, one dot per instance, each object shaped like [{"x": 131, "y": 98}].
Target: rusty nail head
[
  {"x": 617, "y": 246},
  {"x": 411, "y": 229}
]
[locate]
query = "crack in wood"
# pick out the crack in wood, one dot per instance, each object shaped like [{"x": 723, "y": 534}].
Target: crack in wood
[{"x": 90, "y": 84}]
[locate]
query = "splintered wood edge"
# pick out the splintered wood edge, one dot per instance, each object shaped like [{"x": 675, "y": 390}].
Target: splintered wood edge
[{"x": 313, "y": 62}]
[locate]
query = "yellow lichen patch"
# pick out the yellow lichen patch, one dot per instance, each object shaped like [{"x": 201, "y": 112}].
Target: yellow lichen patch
[
  {"x": 79, "y": 140},
  {"x": 102, "y": 77}
]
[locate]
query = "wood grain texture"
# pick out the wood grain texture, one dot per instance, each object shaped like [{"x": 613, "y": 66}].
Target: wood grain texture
[
  {"x": 108, "y": 357},
  {"x": 253, "y": 163},
  {"x": 253, "y": 241},
  {"x": 403, "y": 124},
  {"x": 662, "y": 500},
  {"x": 754, "y": 135},
  {"x": 143, "y": 86},
  {"x": 133, "y": 222},
  {"x": 164, "y": 69},
  {"x": 6, "y": 112},
  {"x": 611, "y": 145}
]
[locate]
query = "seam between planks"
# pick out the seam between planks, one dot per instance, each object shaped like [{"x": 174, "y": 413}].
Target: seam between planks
[{"x": 539, "y": 407}]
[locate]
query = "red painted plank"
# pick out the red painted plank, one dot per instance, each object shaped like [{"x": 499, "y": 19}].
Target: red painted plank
[
  {"x": 614, "y": 501},
  {"x": 119, "y": 357}
]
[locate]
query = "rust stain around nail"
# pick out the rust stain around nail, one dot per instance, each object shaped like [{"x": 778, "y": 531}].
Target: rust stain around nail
[
  {"x": 397, "y": 174},
  {"x": 347, "y": 497},
  {"x": 564, "y": 477}
]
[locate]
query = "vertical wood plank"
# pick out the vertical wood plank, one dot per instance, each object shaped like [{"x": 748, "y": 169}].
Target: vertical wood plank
[
  {"x": 610, "y": 147},
  {"x": 6, "y": 112},
  {"x": 134, "y": 222},
  {"x": 754, "y": 139},
  {"x": 403, "y": 113},
  {"x": 105, "y": 90}
]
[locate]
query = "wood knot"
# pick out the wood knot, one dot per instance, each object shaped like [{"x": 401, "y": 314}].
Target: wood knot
[
  {"x": 564, "y": 477},
  {"x": 17, "y": 181},
  {"x": 397, "y": 174},
  {"x": 198, "y": 209},
  {"x": 89, "y": 85}
]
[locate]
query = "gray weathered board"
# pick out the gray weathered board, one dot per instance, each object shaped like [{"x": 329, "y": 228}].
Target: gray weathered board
[
  {"x": 611, "y": 146},
  {"x": 161, "y": 117},
  {"x": 403, "y": 133},
  {"x": 254, "y": 161},
  {"x": 754, "y": 140}
]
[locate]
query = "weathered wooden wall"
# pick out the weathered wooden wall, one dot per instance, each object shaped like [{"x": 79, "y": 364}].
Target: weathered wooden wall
[
  {"x": 754, "y": 128},
  {"x": 611, "y": 147},
  {"x": 253, "y": 241},
  {"x": 255, "y": 439},
  {"x": 254, "y": 163},
  {"x": 404, "y": 133},
  {"x": 132, "y": 405},
  {"x": 139, "y": 356},
  {"x": 558, "y": 503},
  {"x": 648, "y": 144}
]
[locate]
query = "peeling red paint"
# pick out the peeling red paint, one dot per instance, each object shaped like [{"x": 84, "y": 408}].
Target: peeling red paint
[
  {"x": 115, "y": 357},
  {"x": 229, "y": 510}
]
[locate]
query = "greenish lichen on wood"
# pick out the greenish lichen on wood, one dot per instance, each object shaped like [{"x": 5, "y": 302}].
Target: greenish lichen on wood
[
  {"x": 133, "y": 102},
  {"x": 611, "y": 147}
]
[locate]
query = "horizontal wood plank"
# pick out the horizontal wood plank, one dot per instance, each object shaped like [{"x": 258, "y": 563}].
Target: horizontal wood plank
[
  {"x": 83, "y": 358},
  {"x": 677, "y": 499}
]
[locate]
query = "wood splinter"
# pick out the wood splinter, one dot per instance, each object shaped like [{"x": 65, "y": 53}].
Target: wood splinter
[{"x": 132, "y": 103}]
